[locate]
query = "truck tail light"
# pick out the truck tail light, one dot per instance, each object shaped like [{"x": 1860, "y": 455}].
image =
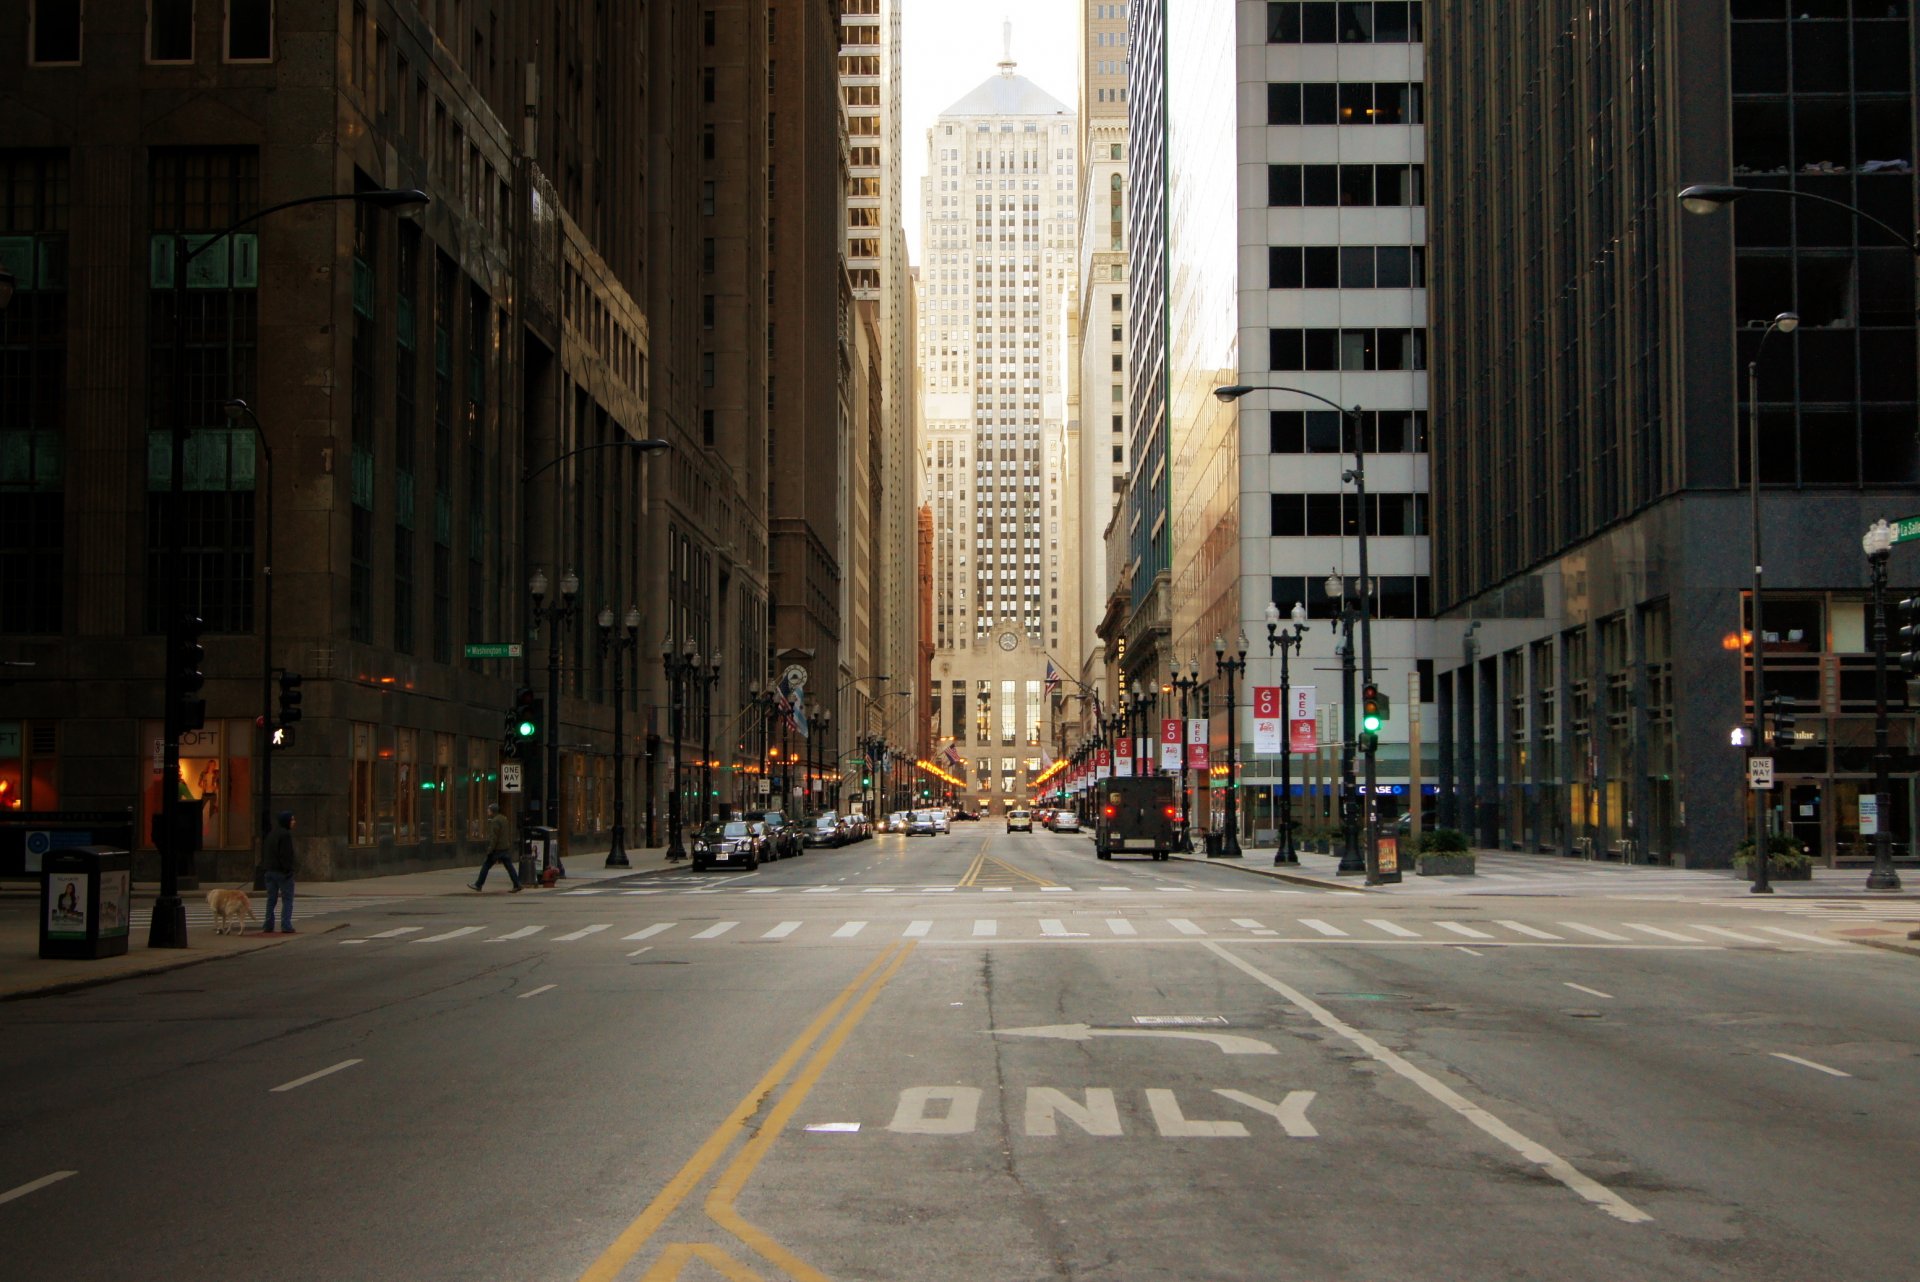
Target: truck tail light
[
  {"x": 1108, "y": 811},
  {"x": 1171, "y": 812}
]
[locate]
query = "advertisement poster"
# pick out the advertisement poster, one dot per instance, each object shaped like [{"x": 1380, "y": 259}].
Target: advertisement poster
[
  {"x": 66, "y": 905},
  {"x": 1266, "y": 719},
  {"x": 1303, "y": 719},
  {"x": 1197, "y": 743},
  {"x": 116, "y": 902},
  {"x": 1170, "y": 744}
]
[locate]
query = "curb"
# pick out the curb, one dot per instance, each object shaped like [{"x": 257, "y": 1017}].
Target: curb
[
  {"x": 158, "y": 968},
  {"x": 1298, "y": 879}
]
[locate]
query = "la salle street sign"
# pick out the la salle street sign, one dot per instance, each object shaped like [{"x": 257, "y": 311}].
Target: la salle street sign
[{"x": 1906, "y": 529}]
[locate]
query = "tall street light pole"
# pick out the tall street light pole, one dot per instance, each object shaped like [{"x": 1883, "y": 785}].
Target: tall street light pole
[
  {"x": 1286, "y": 640},
  {"x": 1757, "y": 746},
  {"x": 1232, "y": 667},
  {"x": 1186, "y": 686},
  {"x": 620, "y": 647},
  {"x": 1352, "y": 859},
  {"x": 559, "y": 614},
  {"x": 1878, "y": 544},
  {"x": 168, "y": 928}
]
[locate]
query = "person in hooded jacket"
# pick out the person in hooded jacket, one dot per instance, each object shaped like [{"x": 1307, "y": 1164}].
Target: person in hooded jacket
[{"x": 278, "y": 857}]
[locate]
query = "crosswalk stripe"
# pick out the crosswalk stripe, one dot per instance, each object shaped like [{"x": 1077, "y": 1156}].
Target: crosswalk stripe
[
  {"x": 1521, "y": 927},
  {"x": 451, "y": 934},
  {"x": 1121, "y": 926},
  {"x": 651, "y": 931},
  {"x": 521, "y": 933},
  {"x": 582, "y": 933},
  {"x": 1660, "y": 932},
  {"x": 877, "y": 890},
  {"x": 916, "y": 930},
  {"x": 763, "y": 890},
  {"x": 849, "y": 930},
  {"x": 985, "y": 926},
  {"x": 1248, "y": 923},
  {"x": 387, "y": 934},
  {"x": 1597, "y": 933},
  {"x": 781, "y": 931},
  {"x": 716, "y": 930},
  {"x": 1458, "y": 929},
  {"x": 1184, "y": 926},
  {"x": 1728, "y": 934},
  {"x": 1175, "y": 890},
  {"x": 821, "y": 890},
  {"x": 1794, "y": 934},
  {"x": 1325, "y": 928},
  {"x": 1057, "y": 929},
  {"x": 1392, "y": 928}
]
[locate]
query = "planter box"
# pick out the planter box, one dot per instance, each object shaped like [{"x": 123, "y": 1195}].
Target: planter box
[
  {"x": 1445, "y": 865},
  {"x": 1802, "y": 873}
]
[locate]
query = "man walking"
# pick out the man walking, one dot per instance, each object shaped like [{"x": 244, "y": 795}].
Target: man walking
[
  {"x": 278, "y": 858},
  {"x": 499, "y": 849}
]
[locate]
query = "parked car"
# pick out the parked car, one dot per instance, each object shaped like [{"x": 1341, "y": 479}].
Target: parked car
[
  {"x": 1065, "y": 821},
  {"x": 823, "y": 830},
  {"x": 942, "y": 823},
  {"x": 737, "y": 843},
  {"x": 783, "y": 837},
  {"x": 924, "y": 823},
  {"x": 858, "y": 827},
  {"x": 1019, "y": 821}
]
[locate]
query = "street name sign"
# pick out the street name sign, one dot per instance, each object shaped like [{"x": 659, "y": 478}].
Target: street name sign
[
  {"x": 493, "y": 650},
  {"x": 1906, "y": 529}
]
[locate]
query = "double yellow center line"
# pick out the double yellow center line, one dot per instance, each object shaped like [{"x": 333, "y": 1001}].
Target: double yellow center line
[
  {"x": 850, "y": 1007},
  {"x": 986, "y": 870}
]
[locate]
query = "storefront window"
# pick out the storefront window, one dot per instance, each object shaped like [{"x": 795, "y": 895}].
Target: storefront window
[
  {"x": 479, "y": 789},
  {"x": 216, "y": 769},
  {"x": 360, "y": 785},
  {"x": 443, "y": 787},
  {"x": 28, "y": 766},
  {"x": 407, "y": 802}
]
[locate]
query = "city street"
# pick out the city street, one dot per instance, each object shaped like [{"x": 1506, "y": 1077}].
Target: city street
[{"x": 982, "y": 1056}]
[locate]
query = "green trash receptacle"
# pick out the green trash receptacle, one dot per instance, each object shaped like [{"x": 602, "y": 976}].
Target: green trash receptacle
[{"x": 86, "y": 902}]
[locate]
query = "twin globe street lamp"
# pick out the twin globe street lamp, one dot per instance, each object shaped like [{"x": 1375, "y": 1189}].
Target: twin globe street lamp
[{"x": 1287, "y": 640}]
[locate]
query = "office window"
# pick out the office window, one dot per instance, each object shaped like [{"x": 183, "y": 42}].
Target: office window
[
  {"x": 250, "y": 31},
  {"x": 1349, "y": 22},
  {"x": 1289, "y": 515},
  {"x": 33, "y": 389},
  {"x": 169, "y": 30},
  {"x": 54, "y": 31}
]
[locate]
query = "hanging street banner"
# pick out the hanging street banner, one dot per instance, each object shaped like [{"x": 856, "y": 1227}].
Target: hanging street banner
[
  {"x": 1197, "y": 743},
  {"x": 1303, "y": 721},
  {"x": 1123, "y": 758},
  {"x": 1170, "y": 744},
  {"x": 1266, "y": 719},
  {"x": 1102, "y": 763}
]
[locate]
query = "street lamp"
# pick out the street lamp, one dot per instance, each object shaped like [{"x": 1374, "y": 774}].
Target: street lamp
[
  {"x": 1286, "y": 640},
  {"x": 619, "y": 646},
  {"x": 1186, "y": 685},
  {"x": 680, "y": 668},
  {"x": 237, "y": 411},
  {"x": 1785, "y": 323},
  {"x": 1352, "y": 860},
  {"x": 1711, "y": 198},
  {"x": 559, "y": 614},
  {"x": 1878, "y": 544},
  {"x": 168, "y": 928},
  {"x": 1230, "y": 844}
]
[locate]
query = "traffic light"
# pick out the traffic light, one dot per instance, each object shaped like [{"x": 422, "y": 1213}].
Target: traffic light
[
  {"x": 1369, "y": 740},
  {"x": 290, "y": 697},
  {"x": 1908, "y": 636},
  {"x": 525, "y": 723},
  {"x": 1784, "y": 718},
  {"x": 189, "y": 710},
  {"x": 1373, "y": 709}
]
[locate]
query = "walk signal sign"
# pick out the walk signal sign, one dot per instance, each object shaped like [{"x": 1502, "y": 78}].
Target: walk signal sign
[{"x": 1908, "y": 636}]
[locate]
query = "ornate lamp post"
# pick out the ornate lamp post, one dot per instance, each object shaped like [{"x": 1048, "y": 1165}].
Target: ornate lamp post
[
  {"x": 560, "y": 613},
  {"x": 619, "y": 646},
  {"x": 1352, "y": 859},
  {"x": 1186, "y": 685},
  {"x": 1879, "y": 545},
  {"x": 708, "y": 678},
  {"x": 1232, "y": 667},
  {"x": 829, "y": 756},
  {"x": 679, "y": 670},
  {"x": 1287, "y": 641}
]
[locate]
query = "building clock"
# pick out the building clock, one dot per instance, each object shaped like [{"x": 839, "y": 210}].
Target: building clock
[{"x": 1008, "y": 641}]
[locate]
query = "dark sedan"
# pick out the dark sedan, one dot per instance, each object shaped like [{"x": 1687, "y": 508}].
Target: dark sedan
[{"x": 735, "y": 843}]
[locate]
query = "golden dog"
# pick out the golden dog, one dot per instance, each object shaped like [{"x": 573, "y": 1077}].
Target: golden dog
[{"x": 230, "y": 905}]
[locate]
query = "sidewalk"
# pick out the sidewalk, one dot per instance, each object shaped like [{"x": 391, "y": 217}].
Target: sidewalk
[{"x": 24, "y": 973}]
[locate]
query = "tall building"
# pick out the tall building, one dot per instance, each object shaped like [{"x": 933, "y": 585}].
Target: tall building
[
  {"x": 998, "y": 212},
  {"x": 1288, "y": 250},
  {"x": 1591, "y": 465}
]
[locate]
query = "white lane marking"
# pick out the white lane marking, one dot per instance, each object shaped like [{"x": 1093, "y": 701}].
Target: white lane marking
[
  {"x": 1531, "y": 931},
  {"x": 535, "y": 992},
  {"x": 1174, "y": 890},
  {"x": 1591, "y": 992},
  {"x": 716, "y": 930},
  {"x": 877, "y": 890},
  {"x": 582, "y": 933},
  {"x": 583, "y": 892},
  {"x": 643, "y": 892},
  {"x": 849, "y": 930},
  {"x": 1555, "y": 1165},
  {"x": 649, "y": 932},
  {"x": 1729, "y": 934},
  {"x": 1248, "y": 923},
  {"x": 995, "y": 890},
  {"x": 636, "y": 952},
  {"x": 1458, "y": 929},
  {"x": 1660, "y": 933},
  {"x": 1056, "y": 890},
  {"x": 1184, "y": 926},
  {"x": 938, "y": 890},
  {"x": 1120, "y": 890},
  {"x": 1325, "y": 928},
  {"x": 916, "y": 930},
  {"x": 521, "y": 933},
  {"x": 1057, "y": 928},
  {"x": 781, "y": 931},
  {"x": 451, "y": 934},
  {"x": 821, "y": 890},
  {"x": 763, "y": 890},
  {"x": 34, "y": 1186},
  {"x": 1807, "y": 1063},
  {"x": 1392, "y": 928},
  {"x": 986, "y": 926},
  {"x": 387, "y": 934},
  {"x": 314, "y": 1077},
  {"x": 1121, "y": 926},
  {"x": 1794, "y": 934},
  {"x": 833, "y": 1128},
  {"x": 1596, "y": 932},
  {"x": 1471, "y": 952}
]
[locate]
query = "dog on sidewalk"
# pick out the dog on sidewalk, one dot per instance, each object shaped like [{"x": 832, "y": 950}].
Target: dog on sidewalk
[{"x": 230, "y": 905}]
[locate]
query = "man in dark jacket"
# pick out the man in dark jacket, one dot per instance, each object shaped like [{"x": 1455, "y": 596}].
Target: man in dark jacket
[
  {"x": 499, "y": 850},
  {"x": 278, "y": 857}
]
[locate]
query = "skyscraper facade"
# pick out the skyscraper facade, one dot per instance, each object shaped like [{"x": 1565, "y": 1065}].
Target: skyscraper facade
[{"x": 998, "y": 213}]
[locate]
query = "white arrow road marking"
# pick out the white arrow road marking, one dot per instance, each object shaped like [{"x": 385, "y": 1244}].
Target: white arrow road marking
[
  {"x": 1174, "y": 1124},
  {"x": 314, "y": 1077},
  {"x": 650, "y": 931},
  {"x": 1231, "y": 1043},
  {"x": 582, "y": 933},
  {"x": 1582, "y": 1184},
  {"x": 1290, "y": 1112},
  {"x": 34, "y": 1186}
]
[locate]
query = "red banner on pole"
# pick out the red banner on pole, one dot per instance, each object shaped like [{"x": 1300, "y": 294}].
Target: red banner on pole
[{"x": 1170, "y": 743}]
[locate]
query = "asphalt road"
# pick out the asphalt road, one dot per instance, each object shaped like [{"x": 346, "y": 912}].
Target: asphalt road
[{"x": 979, "y": 1056}]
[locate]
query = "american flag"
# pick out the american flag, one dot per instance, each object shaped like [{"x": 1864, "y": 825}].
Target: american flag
[
  {"x": 952, "y": 758},
  {"x": 788, "y": 706},
  {"x": 1053, "y": 677}
]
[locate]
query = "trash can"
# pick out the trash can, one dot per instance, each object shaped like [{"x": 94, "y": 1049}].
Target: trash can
[
  {"x": 538, "y": 851},
  {"x": 1213, "y": 844},
  {"x": 86, "y": 902}
]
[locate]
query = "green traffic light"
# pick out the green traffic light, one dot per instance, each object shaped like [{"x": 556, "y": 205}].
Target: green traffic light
[
  {"x": 1370, "y": 723},
  {"x": 527, "y": 729}
]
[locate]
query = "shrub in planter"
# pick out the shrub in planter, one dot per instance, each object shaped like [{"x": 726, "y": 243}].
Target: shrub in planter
[
  {"x": 1444, "y": 852},
  {"x": 1444, "y": 841},
  {"x": 1787, "y": 859}
]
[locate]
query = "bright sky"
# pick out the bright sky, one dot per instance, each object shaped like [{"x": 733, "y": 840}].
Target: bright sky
[{"x": 950, "y": 46}]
